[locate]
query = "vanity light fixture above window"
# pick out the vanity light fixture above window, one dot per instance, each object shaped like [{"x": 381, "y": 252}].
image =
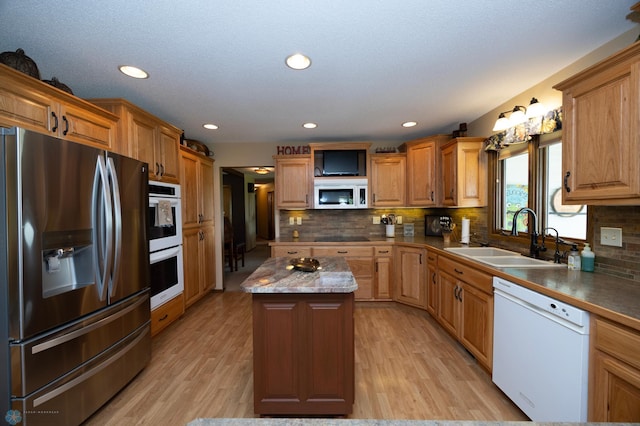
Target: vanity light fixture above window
[
  {"x": 519, "y": 114},
  {"x": 298, "y": 61},
  {"x": 132, "y": 71}
]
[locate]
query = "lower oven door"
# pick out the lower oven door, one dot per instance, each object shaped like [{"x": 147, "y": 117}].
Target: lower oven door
[{"x": 167, "y": 277}]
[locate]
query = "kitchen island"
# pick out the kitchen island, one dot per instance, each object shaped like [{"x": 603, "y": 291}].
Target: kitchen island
[{"x": 303, "y": 350}]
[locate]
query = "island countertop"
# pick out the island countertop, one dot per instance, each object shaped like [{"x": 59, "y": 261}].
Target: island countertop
[{"x": 276, "y": 275}]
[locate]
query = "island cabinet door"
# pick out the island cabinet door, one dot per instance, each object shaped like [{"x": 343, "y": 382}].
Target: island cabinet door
[{"x": 303, "y": 354}]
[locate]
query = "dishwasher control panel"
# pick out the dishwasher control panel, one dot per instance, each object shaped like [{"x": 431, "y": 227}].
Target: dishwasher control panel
[{"x": 540, "y": 301}]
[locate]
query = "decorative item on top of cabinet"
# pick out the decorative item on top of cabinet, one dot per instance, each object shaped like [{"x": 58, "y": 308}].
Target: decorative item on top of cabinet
[
  {"x": 147, "y": 138},
  {"x": 463, "y": 171},
  {"x": 614, "y": 373},
  {"x": 196, "y": 175},
  {"x": 601, "y": 132},
  {"x": 465, "y": 307},
  {"x": 410, "y": 269},
  {"x": 388, "y": 180},
  {"x": 35, "y": 105},
  {"x": 293, "y": 181},
  {"x": 422, "y": 170}
]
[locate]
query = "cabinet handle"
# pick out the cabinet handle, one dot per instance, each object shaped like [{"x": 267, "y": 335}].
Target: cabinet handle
[
  {"x": 433, "y": 278},
  {"x": 157, "y": 169},
  {"x": 161, "y": 169},
  {"x": 383, "y": 251},
  {"x": 55, "y": 122},
  {"x": 457, "y": 271},
  {"x": 343, "y": 252},
  {"x": 292, "y": 252},
  {"x": 306, "y": 198},
  {"x": 373, "y": 198},
  {"x": 455, "y": 292},
  {"x": 566, "y": 183},
  {"x": 460, "y": 294},
  {"x": 66, "y": 125},
  {"x": 451, "y": 192},
  {"x": 164, "y": 317},
  {"x": 421, "y": 258},
  {"x": 432, "y": 195}
]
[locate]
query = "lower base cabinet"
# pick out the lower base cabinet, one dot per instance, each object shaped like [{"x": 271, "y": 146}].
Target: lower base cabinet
[
  {"x": 614, "y": 382},
  {"x": 167, "y": 313},
  {"x": 199, "y": 273},
  {"x": 410, "y": 270},
  {"x": 303, "y": 354}
]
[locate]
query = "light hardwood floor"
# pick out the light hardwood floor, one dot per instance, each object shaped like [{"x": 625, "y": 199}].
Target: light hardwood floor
[{"x": 407, "y": 367}]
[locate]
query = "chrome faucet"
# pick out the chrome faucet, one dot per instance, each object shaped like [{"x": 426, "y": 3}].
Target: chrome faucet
[{"x": 534, "y": 247}]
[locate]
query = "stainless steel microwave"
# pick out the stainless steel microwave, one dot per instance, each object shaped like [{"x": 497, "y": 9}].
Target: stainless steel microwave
[{"x": 341, "y": 194}]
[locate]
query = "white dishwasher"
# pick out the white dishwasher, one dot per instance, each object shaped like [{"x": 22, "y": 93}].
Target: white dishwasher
[{"x": 540, "y": 353}]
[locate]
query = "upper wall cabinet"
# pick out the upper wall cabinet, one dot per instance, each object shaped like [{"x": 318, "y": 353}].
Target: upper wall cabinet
[
  {"x": 463, "y": 171},
  {"x": 31, "y": 104},
  {"x": 601, "y": 132},
  {"x": 146, "y": 138},
  {"x": 388, "y": 179},
  {"x": 293, "y": 185},
  {"x": 422, "y": 172}
]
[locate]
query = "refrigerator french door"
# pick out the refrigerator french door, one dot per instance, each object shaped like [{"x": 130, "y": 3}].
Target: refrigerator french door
[{"x": 77, "y": 275}]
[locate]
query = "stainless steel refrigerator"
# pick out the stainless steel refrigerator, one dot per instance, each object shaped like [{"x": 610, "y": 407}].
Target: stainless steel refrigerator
[{"x": 75, "y": 277}]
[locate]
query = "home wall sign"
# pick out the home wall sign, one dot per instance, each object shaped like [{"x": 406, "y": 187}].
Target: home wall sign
[{"x": 290, "y": 150}]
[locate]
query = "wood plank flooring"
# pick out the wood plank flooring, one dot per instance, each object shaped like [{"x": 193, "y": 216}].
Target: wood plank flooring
[{"x": 407, "y": 367}]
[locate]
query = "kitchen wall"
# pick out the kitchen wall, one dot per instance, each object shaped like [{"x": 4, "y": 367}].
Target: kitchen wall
[{"x": 359, "y": 223}]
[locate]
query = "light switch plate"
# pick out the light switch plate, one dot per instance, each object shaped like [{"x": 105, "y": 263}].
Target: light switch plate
[
  {"x": 376, "y": 220},
  {"x": 611, "y": 237},
  {"x": 299, "y": 220},
  {"x": 291, "y": 221},
  {"x": 399, "y": 220}
]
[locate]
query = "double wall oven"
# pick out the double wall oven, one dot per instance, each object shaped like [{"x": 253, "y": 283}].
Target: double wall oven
[{"x": 165, "y": 242}]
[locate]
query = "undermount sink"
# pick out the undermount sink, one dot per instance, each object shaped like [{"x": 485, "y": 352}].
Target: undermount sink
[
  {"x": 501, "y": 258},
  {"x": 481, "y": 251}
]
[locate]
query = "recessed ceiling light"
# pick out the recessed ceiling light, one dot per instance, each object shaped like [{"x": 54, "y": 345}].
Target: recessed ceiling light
[
  {"x": 309, "y": 125},
  {"x": 298, "y": 61},
  {"x": 409, "y": 124},
  {"x": 132, "y": 71},
  {"x": 210, "y": 126}
]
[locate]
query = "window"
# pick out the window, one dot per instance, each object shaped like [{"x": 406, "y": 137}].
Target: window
[{"x": 530, "y": 175}]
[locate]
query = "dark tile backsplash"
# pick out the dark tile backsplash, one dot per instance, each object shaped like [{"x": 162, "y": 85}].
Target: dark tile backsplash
[{"x": 618, "y": 261}]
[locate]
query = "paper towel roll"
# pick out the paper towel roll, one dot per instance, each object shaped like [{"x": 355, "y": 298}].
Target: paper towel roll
[{"x": 464, "y": 238}]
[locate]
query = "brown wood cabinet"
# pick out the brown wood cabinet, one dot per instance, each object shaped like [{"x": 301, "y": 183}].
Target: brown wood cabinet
[
  {"x": 388, "y": 180},
  {"x": 147, "y": 138},
  {"x": 422, "y": 170},
  {"x": 382, "y": 288},
  {"x": 601, "y": 132},
  {"x": 432, "y": 284},
  {"x": 466, "y": 307},
  {"x": 198, "y": 233},
  {"x": 410, "y": 270},
  {"x": 31, "y": 104},
  {"x": 167, "y": 313},
  {"x": 360, "y": 260},
  {"x": 303, "y": 354},
  {"x": 463, "y": 172},
  {"x": 614, "y": 373},
  {"x": 293, "y": 181}
]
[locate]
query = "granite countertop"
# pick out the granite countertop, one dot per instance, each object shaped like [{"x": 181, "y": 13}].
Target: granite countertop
[
  {"x": 277, "y": 275},
  {"x": 608, "y": 296}
]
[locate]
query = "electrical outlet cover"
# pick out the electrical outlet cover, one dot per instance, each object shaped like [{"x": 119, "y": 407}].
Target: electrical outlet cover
[{"x": 611, "y": 237}]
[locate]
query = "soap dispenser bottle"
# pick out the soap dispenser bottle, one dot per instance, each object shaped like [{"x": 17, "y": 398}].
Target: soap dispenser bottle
[
  {"x": 587, "y": 258},
  {"x": 573, "y": 260}
]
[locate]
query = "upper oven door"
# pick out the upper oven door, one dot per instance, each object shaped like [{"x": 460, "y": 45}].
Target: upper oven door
[{"x": 162, "y": 236}]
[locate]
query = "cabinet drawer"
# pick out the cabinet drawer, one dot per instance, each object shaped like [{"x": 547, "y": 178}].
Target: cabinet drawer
[
  {"x": 467, "y": 274},
  {"x": 346, "y": 251},
  {"x": 618, "y": 341},
  {"x": 290, "y": 251},
  {"x": 166, "y": 313},
  {"x": 383, "y": 251}
]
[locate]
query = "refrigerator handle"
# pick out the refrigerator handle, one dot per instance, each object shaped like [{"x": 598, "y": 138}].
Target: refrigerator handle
[
  {"x": 101, "y": 227},
  {"x": 117, "y": 209}
]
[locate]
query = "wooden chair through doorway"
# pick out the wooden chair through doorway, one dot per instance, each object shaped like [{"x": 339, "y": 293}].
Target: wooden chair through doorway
[{"x": 232, "y": 251}]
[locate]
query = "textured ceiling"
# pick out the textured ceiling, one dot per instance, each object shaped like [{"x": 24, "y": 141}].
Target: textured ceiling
[{"x": 375, "y": 63}]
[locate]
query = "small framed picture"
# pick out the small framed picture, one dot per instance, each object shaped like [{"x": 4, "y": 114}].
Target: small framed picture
[{"x": 408, "y": 229}]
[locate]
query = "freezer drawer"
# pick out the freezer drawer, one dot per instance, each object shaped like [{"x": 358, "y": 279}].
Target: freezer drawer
[
  {"x": 73, "y": 398},
  {"x": 39, "y": 361}
]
